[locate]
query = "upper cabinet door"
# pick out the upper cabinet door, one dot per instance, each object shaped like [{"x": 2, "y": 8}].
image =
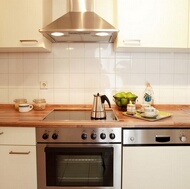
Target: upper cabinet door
[
  {"x": 20, "y": 21},
  {"x": 152, "y": 24}
]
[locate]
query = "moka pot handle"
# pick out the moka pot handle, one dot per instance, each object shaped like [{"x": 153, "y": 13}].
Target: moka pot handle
[{"x": 105, "y": 98}]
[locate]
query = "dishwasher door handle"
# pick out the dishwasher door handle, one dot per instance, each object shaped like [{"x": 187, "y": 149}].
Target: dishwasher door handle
[{"x": 162, "y": 138}]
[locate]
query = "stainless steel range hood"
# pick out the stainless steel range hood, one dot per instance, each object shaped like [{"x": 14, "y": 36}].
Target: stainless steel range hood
[{"x": 80, "y": 24}]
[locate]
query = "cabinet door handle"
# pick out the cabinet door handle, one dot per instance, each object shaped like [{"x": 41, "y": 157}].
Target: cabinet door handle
[
  {"x": 1, "y": 133},
  {"x": 29, "y": 41},
  {"x": 19, "y": 153},
  {"x": 132, "y": 42}
]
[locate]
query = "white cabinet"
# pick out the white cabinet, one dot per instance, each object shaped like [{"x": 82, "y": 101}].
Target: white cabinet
[
  {"x": 152, "y": 24},
  {"x": 18, "y": 158},
  {"x": 20, "y": 21},
  {"x": 156, "y": 167}
]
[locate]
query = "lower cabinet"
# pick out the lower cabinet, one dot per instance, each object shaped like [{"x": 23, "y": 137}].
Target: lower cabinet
[{"x": 18, "y": 158}]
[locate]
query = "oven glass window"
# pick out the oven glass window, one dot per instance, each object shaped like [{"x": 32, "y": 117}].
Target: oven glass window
[{"x": 79, "y": 166}]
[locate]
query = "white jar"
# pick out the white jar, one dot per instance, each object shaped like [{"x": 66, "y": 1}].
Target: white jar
[{"x": 131, "y": 108}]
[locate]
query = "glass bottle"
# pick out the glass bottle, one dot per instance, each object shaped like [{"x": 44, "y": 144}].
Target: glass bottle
[{"x": 148, "y": 96}]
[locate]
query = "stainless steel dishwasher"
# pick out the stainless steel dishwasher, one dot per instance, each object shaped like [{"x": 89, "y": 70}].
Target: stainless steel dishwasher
[{"x": 156, "y": 159}]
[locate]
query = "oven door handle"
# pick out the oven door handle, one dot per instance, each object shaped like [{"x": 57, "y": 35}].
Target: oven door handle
[{"x": 162, "y": 138}]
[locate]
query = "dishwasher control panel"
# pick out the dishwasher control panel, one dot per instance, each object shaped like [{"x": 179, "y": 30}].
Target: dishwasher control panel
[{"x": 156, "y": 136}]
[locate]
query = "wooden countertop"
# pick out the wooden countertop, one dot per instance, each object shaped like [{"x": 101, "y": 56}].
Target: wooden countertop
[{"x": 10, "y": 117}]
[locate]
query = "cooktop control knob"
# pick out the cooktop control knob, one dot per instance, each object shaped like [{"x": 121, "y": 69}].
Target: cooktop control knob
[
  {"x": 103, "y": 136},
  {"x": 55, "y": 136},
  {"x": 45, "y": 136},
  {"x": 183, "y": 138},
  {"x": 84, "y": 136},
  {"x": 112, "y": 136},
  {"x": 93, "y": 136}
]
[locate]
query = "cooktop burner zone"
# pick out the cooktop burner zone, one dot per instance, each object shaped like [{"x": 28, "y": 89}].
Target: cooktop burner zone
[{"x": 66, "y": 115}]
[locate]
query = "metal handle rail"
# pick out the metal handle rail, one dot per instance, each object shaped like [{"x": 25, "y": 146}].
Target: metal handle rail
[{"x": 19, "y": 153}]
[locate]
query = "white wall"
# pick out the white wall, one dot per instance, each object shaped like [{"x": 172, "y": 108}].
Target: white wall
[{"x": 76, "y": 71}]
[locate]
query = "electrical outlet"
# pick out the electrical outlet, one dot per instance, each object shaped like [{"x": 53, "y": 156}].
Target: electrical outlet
[{"x": 43, "y": 85}]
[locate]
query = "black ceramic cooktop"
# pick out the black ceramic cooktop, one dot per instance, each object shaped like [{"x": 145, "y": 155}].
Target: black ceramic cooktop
[{"x": 64, "y": 115}]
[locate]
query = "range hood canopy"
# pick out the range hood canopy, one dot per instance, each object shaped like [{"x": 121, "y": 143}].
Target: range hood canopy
[{"x": 80, "y": 24}]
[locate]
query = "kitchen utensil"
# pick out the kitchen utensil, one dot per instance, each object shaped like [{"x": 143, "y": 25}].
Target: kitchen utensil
[
  {"x": 19, "y": 101},
  {"x": 25, "y": 107},
  {"x": 39, "y": 104},
  {"x": 98, "y": 108},
  {"x": 150, "y": 111}
]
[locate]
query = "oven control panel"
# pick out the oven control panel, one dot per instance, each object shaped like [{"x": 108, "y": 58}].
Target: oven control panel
[{"x": 83, "y": 135}]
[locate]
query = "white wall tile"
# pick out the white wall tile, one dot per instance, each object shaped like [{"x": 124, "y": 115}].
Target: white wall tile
[
  {"x": 77, "y": 50},
  {"x": 152, "y": 66},
  {"x": 46, "y": 66},
  {"x": 107, "y": 65},
  {"x": 4, "y": 80},
  {"x": 61, "y": 65},
  {"x": 152, "y": 55},
  {"x": 123, "y": 66},
  {"x": 166, "y": 96},
  {"x": 76, "y": 71},
  {"x": 76, "y": 65},
  {"x": 16, "y": 65},
  {"x": 15, "y": 93},
  {"x": 166, "y": 65},
  {"x": 4, "y": 66},
  {"x": 107, "y": 51},
  {"x": 92, "y": 50},
  {"x": 4, "y": 96},
  {"x": 138, "y": 66},
  {"x": 77, "y": 96},
  {"x": 16, "y": 55},
  {"x": 61, "y": 50},
  {"x": 107, "y": 81},
  {"x": 180, "y": 95},
  {"x": 153, "y": 79},
  {"x": 92, "y": 81},
  {"x": 61, "y": 96},
  {"x": 31, "y": 81},
  {"x": 166, "y": 80},
  {"x": 30, "y": 55},
  {"x": 61, "y": 81},
  {"x": 16, "y": 81},
  {"x": 180, "y": 80},
  {"x": 31, "y": 94},
  {"x": 181, "y": 66},
  {"x": 30, "y": 65},
  {"x": 47, "y": 94},
  {"x": 126, "y": 55},
  {"x": 138, "y": 79},
  {"x": 77, "y": 81},
  {"x": 92, "y": 65},
  {"x": 123, "y": 81},
  {"x": 4, "y": 55}
]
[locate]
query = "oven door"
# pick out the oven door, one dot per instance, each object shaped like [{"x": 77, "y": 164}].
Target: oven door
[{"x": 79, "y": 166}]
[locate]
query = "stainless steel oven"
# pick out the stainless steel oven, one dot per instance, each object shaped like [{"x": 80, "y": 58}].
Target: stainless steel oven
[{"x": 78, "y": 158}]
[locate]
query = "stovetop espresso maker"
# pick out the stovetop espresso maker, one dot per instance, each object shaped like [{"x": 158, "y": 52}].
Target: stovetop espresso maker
[{"x": 98, "y": 108}]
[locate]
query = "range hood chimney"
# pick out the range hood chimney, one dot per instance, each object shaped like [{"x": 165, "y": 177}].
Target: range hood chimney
[{"x": 80, "y": 24}]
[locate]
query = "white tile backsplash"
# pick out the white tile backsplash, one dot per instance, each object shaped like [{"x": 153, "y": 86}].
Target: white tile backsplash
[{"x": 77, "y": 71}]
